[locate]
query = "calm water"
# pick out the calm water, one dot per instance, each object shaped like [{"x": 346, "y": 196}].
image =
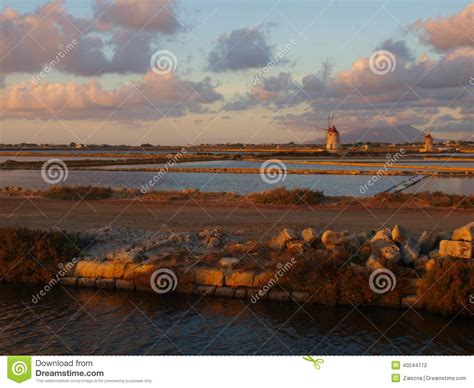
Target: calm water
[
  {"x": 238, "y": 183},
  {"x": 463, "y": 186},
  {"x": 289, "y": 165},
  {"x": 139, "y": 323}
]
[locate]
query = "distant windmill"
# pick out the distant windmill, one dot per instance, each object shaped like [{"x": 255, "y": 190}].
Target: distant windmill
[{"x": 333, "y": 141}]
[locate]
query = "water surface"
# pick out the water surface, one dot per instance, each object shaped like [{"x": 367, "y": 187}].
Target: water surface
[{"x": 82, "y": 321}]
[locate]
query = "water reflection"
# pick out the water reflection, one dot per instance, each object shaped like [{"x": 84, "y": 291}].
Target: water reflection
[{"x": 82, "y": 321}]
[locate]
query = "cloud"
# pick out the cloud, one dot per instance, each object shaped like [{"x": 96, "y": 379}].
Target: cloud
[
  {"x": 242, "y": 49},
  {"x": 151, "y": 98},
  {"x": 421, "y": 82},
  {"x": 398, "y": 48},
  {"x": 144, "y": 15},
  {"x": 31, "y": 41},
  {"x": 445, "y": 33}
]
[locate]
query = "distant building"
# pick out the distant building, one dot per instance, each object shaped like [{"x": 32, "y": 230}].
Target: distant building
[
  {"x": 333, "y": 140},
  {"x": 429, "y": 146}
]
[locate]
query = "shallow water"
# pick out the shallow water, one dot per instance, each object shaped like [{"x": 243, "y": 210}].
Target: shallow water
[
  {"x": 455, "y": 185},
  {"x": 335, "y": 185},
  {"x": 82, "y": 321},
  {"x": 238, "y": 183},
  {"x": 297, "y": 166}
]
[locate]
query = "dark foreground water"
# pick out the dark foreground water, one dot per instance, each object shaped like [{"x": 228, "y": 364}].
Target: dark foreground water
[{"x": 83, "y": 321}]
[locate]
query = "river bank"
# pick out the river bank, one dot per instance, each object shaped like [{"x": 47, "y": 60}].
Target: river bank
[{"x": 383, "y": 268}]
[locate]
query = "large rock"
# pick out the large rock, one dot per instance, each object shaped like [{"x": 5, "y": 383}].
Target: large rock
[
  {"x": 105, "y": 283},
  {"x": 121, "y": 284},
  {"x": 211, "y": 238},
  {"x": 461, "y": 249},
  {"x": 228, "y": 261},
  {"x": 225, "y": 292},
  {"x": 465, "y": 233},
  {"x": 209, "y": 277},
  {"x": 383, "y": 234},
  {"x": 86, "y": 282},
  {"x": 263, "y": 279},
  {"x": 365, "y": 236},
  {"x": 409, "y": 246},
  {"x": 279, "y": 242},
  {"x": 68, "y": 281},
  {"x": 308, "y": 235},
  {"x": 279, "y": 296},
  {"x": 295, "y": 246},
  {"x": 105, "y": 269},
  {"x": 429, "y": 241},
  {"x": 204, "y": 290},
  {"x": 351, "y": 243},
  {"x": 140, "y": 275},
  {"x": 384, "y": 248},
  {"x": 331, "y": 237},
  {"x": 300, "y": 296},
  {"x": 239, "y": 279},
  {"x": 386, "y": 252},
  {"x": 373, "y": 264}
]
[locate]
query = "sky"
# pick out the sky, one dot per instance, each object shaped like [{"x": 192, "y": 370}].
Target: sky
[{"x": 175, "y": 72}]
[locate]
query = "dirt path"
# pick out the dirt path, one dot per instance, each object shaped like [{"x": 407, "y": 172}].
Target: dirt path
[{"x": 248, "y": 220}]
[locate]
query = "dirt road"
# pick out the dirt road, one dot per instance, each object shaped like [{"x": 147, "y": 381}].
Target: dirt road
[{"x": 250, "y": 221}]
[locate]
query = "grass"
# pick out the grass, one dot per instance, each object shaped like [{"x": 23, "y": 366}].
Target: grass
[
  {"x": 34, "y": 256},
  {"x": 280, "y": 196},
  {"x": 284, "y": 196},
  {"x": 68, "y": 193},
  {"x": 431, "y": 199}
]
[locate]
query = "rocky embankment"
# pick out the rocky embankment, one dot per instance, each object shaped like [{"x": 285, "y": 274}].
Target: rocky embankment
[{"x": 386, "y": 268}]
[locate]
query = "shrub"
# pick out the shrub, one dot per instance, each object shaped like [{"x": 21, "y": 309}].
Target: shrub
[
  {"x": 33, "y": 256},
  {"x": 315, "y": 273},
  {"x": 449, "y": 286},
  {"x": 434, "y": 199},
  {"x": 353, "y": 288},
  {"x": 75, "y": 193},
  {"x": 284, "y": 196}
]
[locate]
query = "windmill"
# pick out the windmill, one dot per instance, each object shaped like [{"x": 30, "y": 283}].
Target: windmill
[
  {"x": 333, "y": 141},
  {"x": 331, "y": 120}
]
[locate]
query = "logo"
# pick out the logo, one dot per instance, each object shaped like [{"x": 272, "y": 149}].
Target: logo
[
  {"x": 163, "y": 62},
  {"x": 19, "y": 368},
  {"x": 382, "y": 281},
  {"x": 163, "y": 280},
  {"x": 54, "y": 171},
  {"x": 316, "y": 361},
  {"x": 273, "y": 171},
  {"x": 382, "y": 62}
]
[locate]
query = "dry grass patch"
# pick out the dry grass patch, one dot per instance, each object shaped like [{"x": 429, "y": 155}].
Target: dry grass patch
[
  {"x": 449, "y": 287},
  {"x": 33, "y": 256}
]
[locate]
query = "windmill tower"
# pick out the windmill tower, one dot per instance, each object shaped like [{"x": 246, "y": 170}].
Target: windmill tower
[
  {"x": 333, "y": 141},
  {"x": 429, "y": 146}
]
